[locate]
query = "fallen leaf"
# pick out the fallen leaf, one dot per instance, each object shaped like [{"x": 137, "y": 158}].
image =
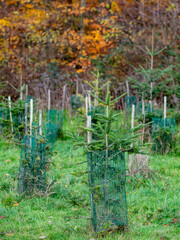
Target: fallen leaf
[
  {"x": 2, "y": 217},
  {"x": 165, "y": 225},
  {"x": 175, "y": 220},
  {"x": 75, "y": 209},
  {"x": 9, "y": 234},
  {"x": 16, "y": 204},
  {"x": 7, "y": 160}
]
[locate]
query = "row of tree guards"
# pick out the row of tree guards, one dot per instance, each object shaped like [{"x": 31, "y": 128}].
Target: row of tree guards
[
  {"x": 36, "y": 139},
  {"x": 106, "y": 167},
  {"x": 31, "y": 110}
]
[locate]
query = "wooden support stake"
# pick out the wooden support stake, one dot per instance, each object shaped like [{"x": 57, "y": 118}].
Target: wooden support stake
[
  {"x": 31, "y": 115},
  {"x": 40, "y": 122},
  {"x": 21, "y": 93},
  {"x": 132, "y": 119},
  {"x": 89, "y": 134},
  {"x": 49, "y": 99},
  {"x": 64, "y": 95},
  {"x": 26, "y": 118},
  {"x": 143, "y": 113},
  {"x": 143, "y": 108},
  {"x": 152, "y": 66},
  {"x": 132, "y": 116},
  {"x": 49, "y": 104},
  {"x": 86, "y": 102},
  {"x": 165, "y": 109},
  {"x": 127, "y": 86},
  {"x": 151, "y": 96},
  {"x": 26, "y": 90},
  {"x": 77, "y": 87},
  {"x": 131, "y": 156},
  {"x": 89, "y": 101},
  {"x": 150, "y": 103},
  {"x": 9, "y": 101}
]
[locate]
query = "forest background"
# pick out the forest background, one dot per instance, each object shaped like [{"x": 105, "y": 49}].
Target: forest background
[{"x": 48, "y": 44}]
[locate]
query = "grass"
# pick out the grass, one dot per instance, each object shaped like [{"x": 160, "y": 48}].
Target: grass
[{"x": 64, "y": 212}]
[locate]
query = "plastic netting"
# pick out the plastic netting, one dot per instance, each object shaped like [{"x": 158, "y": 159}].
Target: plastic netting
[
  {"x": 75, "y": 102},
  {"x": 55, "y": 117},
  {"x": 147, "y": 108},
  {"x": 163, "y": 135},
  {"x": 51, "y": 133},
  {"x": 32, "y": 171},
  {"x": 28, "y": 98},
  {"x": 3, "y": 118},
  {"x": 94, "y": 119},
  {"x": 129, "y": 101},
  {"x": 35, "y": 152},
  {"x": 107, "y": 177},
  {"x": 18, "y": 121},
  {"x": 18, "y": 118}
]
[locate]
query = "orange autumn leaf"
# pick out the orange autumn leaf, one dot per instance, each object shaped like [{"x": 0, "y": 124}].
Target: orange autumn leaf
[{"x": 16, "y": 204}]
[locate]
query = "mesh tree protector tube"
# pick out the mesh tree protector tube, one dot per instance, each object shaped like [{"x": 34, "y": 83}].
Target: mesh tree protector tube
[
  {"x": 32, "y": 171},
  {"x": 129, "y": 101},
  {"x": 107, "y": 177},
  {"x": 163, "y": 135}
]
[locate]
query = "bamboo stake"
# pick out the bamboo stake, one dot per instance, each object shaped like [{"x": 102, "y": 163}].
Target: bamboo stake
[{"x": 9, "y": 101}]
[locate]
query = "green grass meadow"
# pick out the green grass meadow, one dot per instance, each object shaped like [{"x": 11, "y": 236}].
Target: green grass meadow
[{"x": 64, "y": 211}]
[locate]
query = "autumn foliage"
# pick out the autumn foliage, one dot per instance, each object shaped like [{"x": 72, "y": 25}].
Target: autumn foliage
[{"x": 72, "y": 37}]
